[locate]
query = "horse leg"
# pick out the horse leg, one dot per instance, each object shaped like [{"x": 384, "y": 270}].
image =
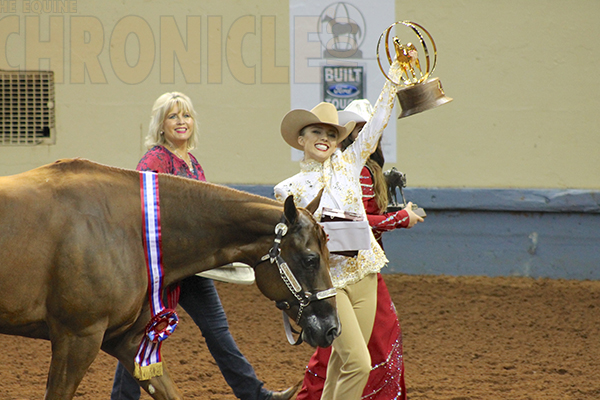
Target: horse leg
[
  {"x": 162, "y": 387},
  {"x": 72, "y": 355},
  {"x": 125, "y": 349}
]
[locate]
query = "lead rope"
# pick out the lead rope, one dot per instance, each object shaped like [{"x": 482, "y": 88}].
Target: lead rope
[{"x": 289, "y": 331}]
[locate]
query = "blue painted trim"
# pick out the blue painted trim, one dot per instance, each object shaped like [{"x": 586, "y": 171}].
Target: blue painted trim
[
  {"x": 549, "y": 245},
  {"x": 261, "y": 190},
  {"x": 525, "y": 200},
  {"x": 496, "y": 232}
]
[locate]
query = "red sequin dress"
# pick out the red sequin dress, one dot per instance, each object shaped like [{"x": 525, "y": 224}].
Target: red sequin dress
[{"x": 386, "y": 380}]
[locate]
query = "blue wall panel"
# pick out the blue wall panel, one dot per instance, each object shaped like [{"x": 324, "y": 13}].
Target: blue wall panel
[
  {"x": 496, "y": 232},
  {"x": 553, "y": 245}
]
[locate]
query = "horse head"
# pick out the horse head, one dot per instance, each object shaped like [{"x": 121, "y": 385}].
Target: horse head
[{"x": 297, "y": 277}]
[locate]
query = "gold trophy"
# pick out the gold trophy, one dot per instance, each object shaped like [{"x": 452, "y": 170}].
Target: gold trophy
[{"x": 418, "y": 91}]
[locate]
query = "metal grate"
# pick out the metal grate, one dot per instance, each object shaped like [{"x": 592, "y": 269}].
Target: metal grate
[{"x": 26, "y": 107}]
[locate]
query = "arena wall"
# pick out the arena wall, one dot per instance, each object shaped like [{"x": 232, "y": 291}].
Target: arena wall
[{"x": 524, "y": 117}]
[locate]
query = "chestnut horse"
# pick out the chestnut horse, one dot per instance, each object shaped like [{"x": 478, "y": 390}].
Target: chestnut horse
[{"x": 73, "y": 270}]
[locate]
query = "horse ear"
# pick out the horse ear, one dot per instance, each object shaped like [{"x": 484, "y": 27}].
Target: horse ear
[
  {"x": 314, "y": 204},
  {"x": 289, "y": 210}
]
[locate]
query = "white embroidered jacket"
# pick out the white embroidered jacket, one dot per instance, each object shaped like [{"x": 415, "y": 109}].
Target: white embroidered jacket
[{"x": 340, "y": 176}]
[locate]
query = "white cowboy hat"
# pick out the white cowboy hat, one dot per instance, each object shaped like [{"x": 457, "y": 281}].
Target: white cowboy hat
[
  {"x": 358, "y": 111},
  {"x": 323, "y": 113}
]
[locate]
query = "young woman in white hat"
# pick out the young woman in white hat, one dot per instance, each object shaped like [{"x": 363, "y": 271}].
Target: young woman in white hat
[
  {"x": 318, "y": 132},
  {"x": 386, "y": 380}
]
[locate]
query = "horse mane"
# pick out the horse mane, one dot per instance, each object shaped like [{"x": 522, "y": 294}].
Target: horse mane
[
  {"x": 76, "y": 165},
  {"x": 82, "y": 165}
]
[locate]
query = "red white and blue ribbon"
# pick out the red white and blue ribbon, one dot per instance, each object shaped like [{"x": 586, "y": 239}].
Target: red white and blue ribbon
[{"x": 148, "y": 361}]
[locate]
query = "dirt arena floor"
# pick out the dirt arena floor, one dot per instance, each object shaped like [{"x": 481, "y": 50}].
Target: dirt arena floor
[{"x": 465, "y": 338}]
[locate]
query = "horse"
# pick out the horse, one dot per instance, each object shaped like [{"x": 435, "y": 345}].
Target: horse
[
  {"x": 395, "y": 182},
  {"x": 73, "y": 268}
]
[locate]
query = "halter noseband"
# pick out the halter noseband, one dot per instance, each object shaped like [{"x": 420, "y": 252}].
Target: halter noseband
[{"x": 303, "y": 298}]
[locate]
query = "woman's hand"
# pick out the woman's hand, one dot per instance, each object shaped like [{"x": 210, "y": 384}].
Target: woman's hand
[{"x": 412, "y": 217}]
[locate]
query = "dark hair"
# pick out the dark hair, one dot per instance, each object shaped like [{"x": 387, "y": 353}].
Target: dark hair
[
  {"x": 377, "y": 155},
  {"x": 375, "y": 165}
]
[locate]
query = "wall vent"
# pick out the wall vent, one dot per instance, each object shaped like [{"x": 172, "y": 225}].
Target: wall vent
[{"x": 27, "y": 108}]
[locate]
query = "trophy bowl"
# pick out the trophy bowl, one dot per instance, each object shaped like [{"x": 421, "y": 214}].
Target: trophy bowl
[{"x": 418, "y": 91}]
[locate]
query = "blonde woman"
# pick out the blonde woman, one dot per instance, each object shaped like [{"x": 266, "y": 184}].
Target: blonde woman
[{"x": 172, "y": 134}]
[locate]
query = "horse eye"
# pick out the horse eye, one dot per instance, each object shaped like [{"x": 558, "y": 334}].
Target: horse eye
[{"x": 311, "y": 261}]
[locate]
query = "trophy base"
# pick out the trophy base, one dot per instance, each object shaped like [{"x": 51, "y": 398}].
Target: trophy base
[{"x": 420, "y": 97}]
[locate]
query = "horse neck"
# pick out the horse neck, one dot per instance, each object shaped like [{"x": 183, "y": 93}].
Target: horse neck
[{"x": 205, "y": 226}]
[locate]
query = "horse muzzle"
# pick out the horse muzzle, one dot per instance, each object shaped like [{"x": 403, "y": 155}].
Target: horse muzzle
[{"x": 320, "y": 324}]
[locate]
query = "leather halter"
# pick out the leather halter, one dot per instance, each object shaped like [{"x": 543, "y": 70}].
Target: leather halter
[{"x": 303, "y": 299}]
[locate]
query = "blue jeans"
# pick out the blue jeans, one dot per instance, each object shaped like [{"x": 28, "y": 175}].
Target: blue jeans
[{"x": 199, "y": 298}]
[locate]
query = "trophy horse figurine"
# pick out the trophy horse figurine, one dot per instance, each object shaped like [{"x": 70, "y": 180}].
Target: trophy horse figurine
[
  {"x": 408, "y": 58},
  {"x": 396, "y": 182}
]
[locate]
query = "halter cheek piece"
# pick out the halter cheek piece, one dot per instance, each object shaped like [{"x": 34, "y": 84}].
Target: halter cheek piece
[{"x": 303, "y": 299}]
